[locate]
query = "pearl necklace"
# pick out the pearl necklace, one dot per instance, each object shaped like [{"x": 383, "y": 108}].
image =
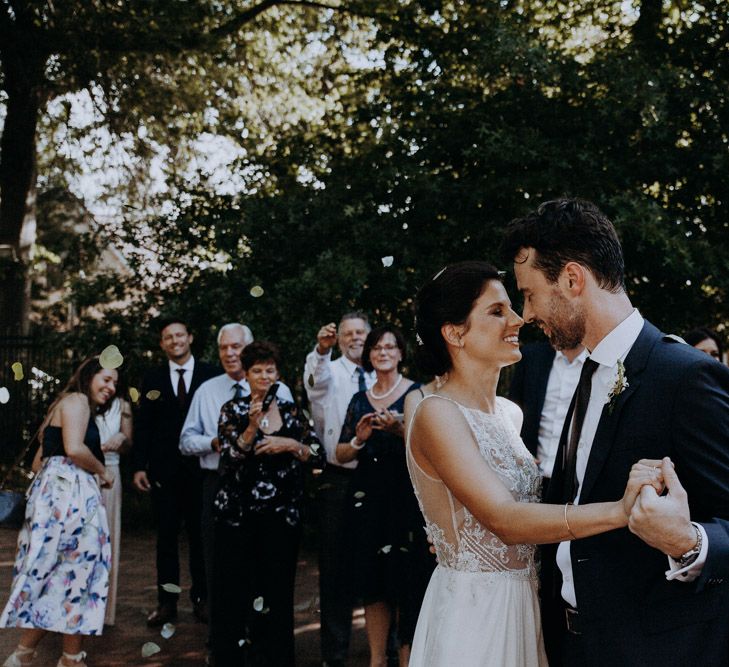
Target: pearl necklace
[{"x": 387, "y": 393}]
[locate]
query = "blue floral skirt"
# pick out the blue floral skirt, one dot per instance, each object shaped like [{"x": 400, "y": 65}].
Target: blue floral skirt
[{"x": 61, "y": 573}]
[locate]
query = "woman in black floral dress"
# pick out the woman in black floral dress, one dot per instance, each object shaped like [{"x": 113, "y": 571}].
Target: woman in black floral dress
[{"x": 263, "y": 458}]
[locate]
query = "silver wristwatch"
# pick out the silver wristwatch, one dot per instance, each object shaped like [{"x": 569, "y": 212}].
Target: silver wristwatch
[{"x": 692, "y": 554}]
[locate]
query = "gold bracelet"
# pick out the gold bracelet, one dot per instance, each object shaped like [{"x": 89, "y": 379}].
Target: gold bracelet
[{"x": 567, "y": 523}]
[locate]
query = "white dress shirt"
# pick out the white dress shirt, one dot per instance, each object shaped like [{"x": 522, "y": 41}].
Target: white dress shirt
[
  {"x": 188, "y": 367},
  {"x": 330, "y": 386},
  {"x": 612, "y": 348},
  {"x": 561, "y": 385},
  {"x": 201, "y": 424}
]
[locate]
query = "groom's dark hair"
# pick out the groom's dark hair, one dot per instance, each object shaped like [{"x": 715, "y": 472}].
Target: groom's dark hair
[{"x": 569, "y": 230}]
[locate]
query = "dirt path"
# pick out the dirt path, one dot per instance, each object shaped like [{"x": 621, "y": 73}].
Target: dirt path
[{"x": 122, "y": 644}]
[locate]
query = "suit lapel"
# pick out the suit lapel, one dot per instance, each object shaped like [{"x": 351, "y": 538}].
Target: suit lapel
[{"x": 605, "y": 436}]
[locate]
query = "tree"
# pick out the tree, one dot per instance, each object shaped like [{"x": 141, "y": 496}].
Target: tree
[{"x": 125, "y": 51}]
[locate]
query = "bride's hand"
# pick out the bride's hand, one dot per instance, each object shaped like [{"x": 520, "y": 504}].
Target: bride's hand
[{"x": 645, "y": 472}]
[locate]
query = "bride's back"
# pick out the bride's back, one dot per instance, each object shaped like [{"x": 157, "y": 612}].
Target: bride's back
[{"x": 460, "y": 541}]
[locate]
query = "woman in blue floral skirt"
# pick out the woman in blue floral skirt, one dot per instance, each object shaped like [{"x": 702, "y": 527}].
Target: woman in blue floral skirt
[{"x": 61, "y": 573}]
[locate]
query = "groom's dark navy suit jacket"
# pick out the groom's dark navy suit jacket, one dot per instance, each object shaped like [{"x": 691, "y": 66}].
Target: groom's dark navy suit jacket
[{"x": 677, "y": 405}]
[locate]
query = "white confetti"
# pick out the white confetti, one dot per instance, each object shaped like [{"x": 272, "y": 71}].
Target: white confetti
[
  {"x": 256, "y": 291},
  {"x": 168, "y": 629},
  {"x": 387, "y": 261},
  {"x": 171, "y": 588},
  {"x": 359, "y": 494},
  {"x": 4, "y": 395},
  {"x": 258, "y": 604},
  {"x": 110, "y": 358},
  {"x": 150, "y": 648},
  {"x": 386, "y": 549}
]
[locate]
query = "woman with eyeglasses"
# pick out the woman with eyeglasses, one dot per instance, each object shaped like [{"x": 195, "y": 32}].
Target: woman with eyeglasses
[{"x": 391, "y": 564}]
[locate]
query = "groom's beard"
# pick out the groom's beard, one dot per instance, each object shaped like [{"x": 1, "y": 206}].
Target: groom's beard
[{"x": 565, "y": 328}]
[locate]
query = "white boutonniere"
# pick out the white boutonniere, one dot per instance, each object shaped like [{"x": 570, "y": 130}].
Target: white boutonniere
[{"x": 620, "y": 385}]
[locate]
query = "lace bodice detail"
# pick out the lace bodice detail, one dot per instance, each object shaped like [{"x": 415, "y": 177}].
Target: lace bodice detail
[{"x": 460, "y": 541}]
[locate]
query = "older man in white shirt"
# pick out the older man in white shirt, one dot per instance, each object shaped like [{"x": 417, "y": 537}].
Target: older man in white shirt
[{"x": 330, "y": 385}]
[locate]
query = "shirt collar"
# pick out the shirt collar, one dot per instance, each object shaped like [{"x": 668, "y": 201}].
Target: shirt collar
[
  {"x": 188, "y": 365},
  {"x": 579, "y": 359},
  {"x": 616, "y": 345},
  {"x": 349, "y": 365}
]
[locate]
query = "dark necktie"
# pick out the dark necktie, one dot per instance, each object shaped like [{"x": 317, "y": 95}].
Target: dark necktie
[
  {"x": 569, "y": 454},
  {"x": 181, "y": 388},
  {"x": 238, "y": 391},
  {"x": 362, "y": 383}
]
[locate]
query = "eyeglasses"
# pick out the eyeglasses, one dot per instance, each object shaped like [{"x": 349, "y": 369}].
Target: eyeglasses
[{"x": 384, "y": 348}]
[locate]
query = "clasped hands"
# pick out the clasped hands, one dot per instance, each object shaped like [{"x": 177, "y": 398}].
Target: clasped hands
[
  {"x": 662, "y": 521},
  {"x": 380, "y": 420}
]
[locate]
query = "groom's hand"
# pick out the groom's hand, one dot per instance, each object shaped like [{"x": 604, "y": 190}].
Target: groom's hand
[
  {"x": 664, "y": 522},
  {"x": 645, "y": 472}
]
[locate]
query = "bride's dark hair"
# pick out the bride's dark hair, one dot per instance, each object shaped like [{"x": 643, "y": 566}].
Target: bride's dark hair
[{"x": 447, "y": 299}]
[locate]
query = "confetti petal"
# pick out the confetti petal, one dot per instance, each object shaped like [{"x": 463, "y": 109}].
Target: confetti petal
[
  {"x": 17, "y": 368},
  {"x": 358, "y": 504},
  {"x": 359, "y": 494},
  {"x": 171, "y": 588},
  {"x": 4, "y": 395},
  {"x": 153, "y": 394},
  {"x": 150, "y": 648},
  {"x": 134, "y": 394},
  {"x": 387, "y": 261},
  {"x": 256, "y": 291},
  {"x": 386, "y": 549},
  {"x": 168, "y": 629},
  {"x": 110, "y": 358},
  {"x": 258, "y": 604}
]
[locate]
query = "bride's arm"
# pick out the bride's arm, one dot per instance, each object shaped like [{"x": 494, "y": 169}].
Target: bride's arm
[{"x": 441, "y": 435}]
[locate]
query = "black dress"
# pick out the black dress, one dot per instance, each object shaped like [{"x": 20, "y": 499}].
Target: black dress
[
  {"x": 257, "y": 530},
  {"x": 391, "y": 559}
]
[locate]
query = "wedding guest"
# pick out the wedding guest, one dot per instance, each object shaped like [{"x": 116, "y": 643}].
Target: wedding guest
[
  {"x": 199, "y": 436},
  {"x": 61, "y": 573},
  {"x": 706, "y": 340},
  {"x": 258, "y": 507},
  {"x": 543, "y": 384},
  {"x": 330, "y": 384},
  {"x": 390, "y": 557},
  {"x": 115, "y": 433},
  {"x": 173, "y": 480}
]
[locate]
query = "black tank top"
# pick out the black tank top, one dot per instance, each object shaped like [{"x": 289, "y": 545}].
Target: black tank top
[{"x": 53, "y": 441}]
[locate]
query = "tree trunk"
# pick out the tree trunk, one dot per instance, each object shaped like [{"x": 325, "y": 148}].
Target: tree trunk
[
  {"x": 646, "y": 28},
  {"x": 24, "y": 72}
]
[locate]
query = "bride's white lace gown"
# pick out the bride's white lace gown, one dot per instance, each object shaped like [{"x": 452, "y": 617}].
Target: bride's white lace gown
[{"x": 481, "y": 606}]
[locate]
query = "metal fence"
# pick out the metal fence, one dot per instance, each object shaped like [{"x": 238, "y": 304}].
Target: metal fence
[{"x": 45, "y": 368}]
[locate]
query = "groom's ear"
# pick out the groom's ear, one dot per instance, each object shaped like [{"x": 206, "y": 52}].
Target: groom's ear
[{"x": 573, "y": 278}]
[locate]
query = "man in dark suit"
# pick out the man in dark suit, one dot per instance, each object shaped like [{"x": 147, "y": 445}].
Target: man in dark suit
[
  {"x": 615, "y": 599},
  {"x": 543, "y": 384},
  {"x": 174, "y": 480}
]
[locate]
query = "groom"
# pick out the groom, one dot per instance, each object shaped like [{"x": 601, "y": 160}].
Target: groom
[{"x": 615, "y": 599}]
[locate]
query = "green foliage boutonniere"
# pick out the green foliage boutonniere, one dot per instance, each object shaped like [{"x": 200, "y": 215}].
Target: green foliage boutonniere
[{"x": 621, "y": 384}]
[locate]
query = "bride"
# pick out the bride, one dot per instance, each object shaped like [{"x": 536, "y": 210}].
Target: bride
[{"x": 478, "y": 486}]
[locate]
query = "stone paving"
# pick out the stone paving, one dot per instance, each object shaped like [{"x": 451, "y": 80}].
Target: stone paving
[{"x": 122, "y": 644}]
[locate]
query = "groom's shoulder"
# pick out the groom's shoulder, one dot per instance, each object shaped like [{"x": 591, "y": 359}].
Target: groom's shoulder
[{"x": 676, "y": 358}]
